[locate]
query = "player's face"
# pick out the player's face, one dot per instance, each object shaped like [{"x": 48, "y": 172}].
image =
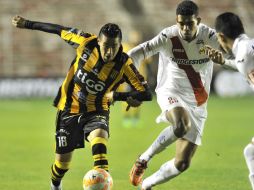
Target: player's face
[
  {"x": 188, "y": 26},
  {"x": 108, "y": 47}
]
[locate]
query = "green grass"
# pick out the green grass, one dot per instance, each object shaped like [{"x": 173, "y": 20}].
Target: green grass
[{"x": 27, "y": 147}]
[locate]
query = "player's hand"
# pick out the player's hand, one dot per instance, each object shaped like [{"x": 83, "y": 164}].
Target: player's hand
[
  {"x": 109, "y": 97},
  {"x": 19, "y": 21},
  {"x": 132, "y": 103},
  {"x": 215, "y": 55}
]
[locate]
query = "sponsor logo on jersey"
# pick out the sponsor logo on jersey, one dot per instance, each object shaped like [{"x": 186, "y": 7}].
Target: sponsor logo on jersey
[
  {"x": 190, "y": 62},
  {"x": 85, "y": 55},
  {"x": 91, "y": 86}
]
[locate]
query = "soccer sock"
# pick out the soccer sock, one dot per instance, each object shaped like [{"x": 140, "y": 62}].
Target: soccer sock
[
  {"x": 166, "y": 172},
  {"x": 58, "y": 170},
  {"x": 165, "y": 138},
  {"x": 99, "y": 151},
  {"x": 249, "y": 157}
]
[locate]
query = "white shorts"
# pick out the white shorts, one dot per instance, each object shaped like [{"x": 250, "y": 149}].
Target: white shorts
[{"x": 197, "y": 115}]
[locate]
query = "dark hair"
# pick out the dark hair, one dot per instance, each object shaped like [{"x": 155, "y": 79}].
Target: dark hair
[
  {"x": 229, "y": 24},
  {"x": 187, "y": 8},
  {"x": 111, "y": 30}
]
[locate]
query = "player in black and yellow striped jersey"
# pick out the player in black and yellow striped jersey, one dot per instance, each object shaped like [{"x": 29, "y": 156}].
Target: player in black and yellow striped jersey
[{"x": 88, "y": 90}]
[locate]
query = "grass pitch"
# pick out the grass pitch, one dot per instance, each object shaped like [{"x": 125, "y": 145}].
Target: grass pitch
[{"x": 27, "y": 147}]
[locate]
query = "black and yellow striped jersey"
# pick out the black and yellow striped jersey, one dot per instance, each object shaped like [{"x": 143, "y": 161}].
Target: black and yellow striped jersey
[{"x": 89, "y": 78}]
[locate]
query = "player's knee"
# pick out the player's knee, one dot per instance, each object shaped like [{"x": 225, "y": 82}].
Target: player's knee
[
  {"x": 249, "y": 151},
  {"x": 182, "y": 127},
  {"x": 182, "y": 165}
]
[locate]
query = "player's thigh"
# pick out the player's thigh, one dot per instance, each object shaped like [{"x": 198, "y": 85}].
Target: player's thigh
[
  {"x": 177, "y": 114},
  {"x": 96, "y": 125},
  {"x": 68, "y": 135},
  {"x": 184, "y": 150},
  {"x": 173, "y": 108}
]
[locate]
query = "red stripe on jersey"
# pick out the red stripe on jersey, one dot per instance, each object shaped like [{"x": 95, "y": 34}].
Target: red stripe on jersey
[{"x": 193, "y": 76}]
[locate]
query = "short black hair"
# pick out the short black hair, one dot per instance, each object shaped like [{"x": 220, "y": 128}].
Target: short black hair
[
  {"x": 229, "y": 24},
  {"x": 111, "y": 30},
  {"x": 187, "y": 8}
]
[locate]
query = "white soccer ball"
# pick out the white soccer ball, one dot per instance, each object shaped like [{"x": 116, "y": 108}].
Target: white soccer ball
[{"x": 97, "y": 179}]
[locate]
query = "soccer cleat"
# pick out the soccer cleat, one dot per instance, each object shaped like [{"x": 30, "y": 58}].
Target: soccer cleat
[
  {"x": 137, "y": 172},
  {"x": 52, "y": 187}
]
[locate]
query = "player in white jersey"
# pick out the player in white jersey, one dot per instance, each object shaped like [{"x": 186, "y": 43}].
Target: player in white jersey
[
  {"x": 232, "y": 38},
  {"x": 183, "y": 85}
]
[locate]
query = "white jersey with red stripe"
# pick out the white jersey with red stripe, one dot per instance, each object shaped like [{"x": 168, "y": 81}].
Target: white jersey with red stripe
[
  {"x": 182, "y": 69},
  {"x": 243, "y": 50}
]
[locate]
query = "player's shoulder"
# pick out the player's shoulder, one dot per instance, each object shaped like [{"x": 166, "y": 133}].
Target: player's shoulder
[
  {"x": 246, "y": 45},
  {"x": 80, "y": 32},
  {"x": 86, "y": 34},
  {"x": 206, "y": 31},
  {"x": 170, "y": 31}
]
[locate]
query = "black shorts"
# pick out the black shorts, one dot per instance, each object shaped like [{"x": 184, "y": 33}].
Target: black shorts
[{"x": 72, "y": 129}]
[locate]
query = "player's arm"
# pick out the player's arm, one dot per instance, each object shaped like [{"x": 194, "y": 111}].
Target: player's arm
[
  {"x": 143, "y": 94},
  {"x": 21, "y": 22},
  {"x": 217, "y": 56},
  {"x": 72, "y": 36},
  {"x": 147, "y": 49}
]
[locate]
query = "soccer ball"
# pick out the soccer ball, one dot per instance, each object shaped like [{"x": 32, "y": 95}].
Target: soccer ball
[{"x": 97, "y": 179}]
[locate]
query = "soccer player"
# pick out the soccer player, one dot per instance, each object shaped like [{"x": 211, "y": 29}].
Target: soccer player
[
  {"x": 232, "y": 38},
  {"x": 85, "y": 95},
  {"x": 183, "y": 85}
]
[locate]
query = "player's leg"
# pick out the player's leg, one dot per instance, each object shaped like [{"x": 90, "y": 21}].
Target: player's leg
[
  {"x": 181, "y": 123},
  {"x": 184, "y": 153},
  {"x": 249, "y": 157},
  {"x": 59, "y": 168},
  {"x": 68, "y": 136},
  {"x": 173, "y": 112},
  {"x": 97, "y": 132},
  {"x": 98, "y": 139}
]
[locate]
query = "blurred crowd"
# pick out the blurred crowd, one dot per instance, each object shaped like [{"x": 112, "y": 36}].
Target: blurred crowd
[{"x": 33, "y": 54}]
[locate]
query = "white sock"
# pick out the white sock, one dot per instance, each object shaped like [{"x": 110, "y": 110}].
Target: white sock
[
  {"x": 251, "y": 177},
  {"x": 249, "y": 157},
  {"x": 166, "y": 172},
  {"x": 165, "y": 138}
]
